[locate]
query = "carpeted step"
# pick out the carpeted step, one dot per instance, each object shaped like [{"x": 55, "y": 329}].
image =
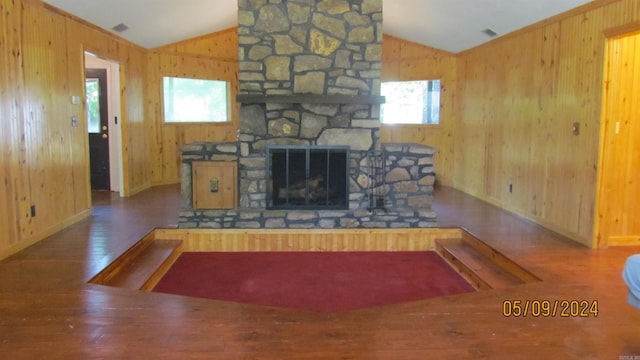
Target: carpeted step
[{"x": 479, "y": 269}]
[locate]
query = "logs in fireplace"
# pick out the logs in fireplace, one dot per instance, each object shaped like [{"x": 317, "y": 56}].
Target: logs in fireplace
[{"x": 307, "y": 177}]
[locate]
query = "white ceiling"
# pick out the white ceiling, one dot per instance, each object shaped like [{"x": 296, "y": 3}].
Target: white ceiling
[{"x": 452, "y": 25}]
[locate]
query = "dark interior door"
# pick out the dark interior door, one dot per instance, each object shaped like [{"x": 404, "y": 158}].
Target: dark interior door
[{"x": 98, "y": 127}]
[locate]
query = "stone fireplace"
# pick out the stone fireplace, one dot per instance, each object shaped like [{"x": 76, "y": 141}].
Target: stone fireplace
[
  {"x": 309, "y": 76},
  {"x": 309, "y": 80}
]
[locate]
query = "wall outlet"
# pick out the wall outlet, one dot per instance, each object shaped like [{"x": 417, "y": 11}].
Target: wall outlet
[
  {"x": 576, "y": 129},
  {"x": 74, "y": 121}
]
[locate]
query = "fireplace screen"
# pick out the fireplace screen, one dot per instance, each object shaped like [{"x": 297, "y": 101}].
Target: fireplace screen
[{"x": 307, "y": 177}]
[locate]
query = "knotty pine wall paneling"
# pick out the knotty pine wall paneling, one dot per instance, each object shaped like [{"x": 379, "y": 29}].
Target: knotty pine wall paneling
[
  {"x": 619, "y": 190},
  {"x": 221, "y": 45},
  {"x": 233, "y": 240},
  {"x": 43, "y": 159},
  {"x": 137, "y": 129},
  {"x": 212, "y": 57},
  {"x": 518, "y": 99},
  {"x": 12, "y": 154},
  {"x": 404, "y": 61},
  {"x": 134, "y": 126},
  {"x": 50, "y": 136}
]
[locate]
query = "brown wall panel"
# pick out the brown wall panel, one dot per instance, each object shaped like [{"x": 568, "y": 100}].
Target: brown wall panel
[
  {"x": 518, "y": 99},
  {"x": 231, "y": 240},
  {"x": 135, "y": 136},
  {"x": 45, "y": 159},
  {"x": 619, "y": 189},
  {"x": 12, "y": 119}
]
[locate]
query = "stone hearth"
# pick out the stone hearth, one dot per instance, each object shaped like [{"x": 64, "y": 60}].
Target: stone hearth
[
  {"x": 309, "y": 75},
  {"x": 407, "y": 190}
]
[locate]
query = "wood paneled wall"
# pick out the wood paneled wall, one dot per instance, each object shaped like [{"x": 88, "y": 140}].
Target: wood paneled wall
[
  {"x": 212, "y": 57},
  {"x": 618, "y": 222},
  {"x": 44, "y": 159},
  {"x": 518, "y": 100},
  {"x": 11, "y": 124},
  {"x": 234, "y": 240},
  {"x": 403, "y": 61},
  {"x": 215, "y": 57},
  {"x": 81, "y": 37}
]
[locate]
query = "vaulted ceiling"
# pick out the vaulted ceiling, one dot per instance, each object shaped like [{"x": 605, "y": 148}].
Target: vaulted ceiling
[{"x": 451, "y": 25}]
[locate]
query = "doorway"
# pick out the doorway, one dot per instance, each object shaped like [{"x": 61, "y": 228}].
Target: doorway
[
  {"x": 617, "y": 218},
  {"x": 102, "y": 91},
  {"x": 98, "y": 127}
]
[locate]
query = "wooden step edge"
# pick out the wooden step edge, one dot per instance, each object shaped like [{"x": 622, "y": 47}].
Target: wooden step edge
[
  {"x": 153, "y": 280},
  {"x": 106, "y": 275},
  {"x": 481, "y": 266},
  {"x": 460, "y": 267},
  {"x": 142, "y": 268},
  {"x": 495, "y": 276},
  {"x": 499, "y": 258}
]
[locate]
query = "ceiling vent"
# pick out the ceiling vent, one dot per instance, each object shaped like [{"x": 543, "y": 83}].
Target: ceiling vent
[
  {"x": 490, "y": 32},
  {"x": 120, "y": 28}
]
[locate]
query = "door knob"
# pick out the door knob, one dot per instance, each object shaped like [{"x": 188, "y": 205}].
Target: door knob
[
  {"x": 104, "y": 128},
  {"x": 104, "y": 136}
]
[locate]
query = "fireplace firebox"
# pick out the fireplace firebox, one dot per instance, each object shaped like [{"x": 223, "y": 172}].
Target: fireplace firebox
[{"x": 307, "y": 177}]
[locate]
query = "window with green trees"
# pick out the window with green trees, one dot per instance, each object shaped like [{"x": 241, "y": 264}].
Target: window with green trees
[
  {"x": 195, "y": 100},
  {"x": 411, "y": 102}
]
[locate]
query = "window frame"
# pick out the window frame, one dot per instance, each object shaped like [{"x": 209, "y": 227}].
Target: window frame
[
  {"x": 441, "y": 105},
  {"x": 229, "y": 95}
]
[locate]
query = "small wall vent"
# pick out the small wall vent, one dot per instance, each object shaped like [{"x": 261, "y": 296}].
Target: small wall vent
[
  {"x": 490, "y": 32},
  {"x": 120, "y": 28}
]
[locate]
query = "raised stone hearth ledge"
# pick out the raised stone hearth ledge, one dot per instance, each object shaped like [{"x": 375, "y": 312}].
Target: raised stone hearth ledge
[
  {"x": 306, "y": 219},
  {"x": 309, "y": 99},
  {"x": 408, "y": 190}
]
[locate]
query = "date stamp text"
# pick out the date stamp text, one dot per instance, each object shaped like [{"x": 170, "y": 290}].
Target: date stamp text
[{"x": 550, "y": 308}]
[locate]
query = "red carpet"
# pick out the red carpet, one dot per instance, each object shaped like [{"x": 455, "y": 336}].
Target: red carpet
[{"x": 316, "y": 281}]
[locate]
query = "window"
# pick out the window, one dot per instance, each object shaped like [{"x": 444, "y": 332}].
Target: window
[
  {"x": 93, "y": 105},
  {"x": 195, "y": 100},
  {"x": 411, "y": 102}
]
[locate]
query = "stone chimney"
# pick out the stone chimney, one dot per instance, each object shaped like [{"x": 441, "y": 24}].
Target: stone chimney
[{"x": 309, "y": 76}]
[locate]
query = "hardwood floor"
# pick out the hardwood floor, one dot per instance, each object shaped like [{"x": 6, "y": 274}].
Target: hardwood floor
[{"x": 48, "y": 311}]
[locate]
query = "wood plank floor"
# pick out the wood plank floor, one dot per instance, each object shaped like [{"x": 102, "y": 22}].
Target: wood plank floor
[{"x": 48, "y": 311}]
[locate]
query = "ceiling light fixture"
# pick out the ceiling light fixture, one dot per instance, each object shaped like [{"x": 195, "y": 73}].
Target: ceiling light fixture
[{"x": 120, "y": 28}]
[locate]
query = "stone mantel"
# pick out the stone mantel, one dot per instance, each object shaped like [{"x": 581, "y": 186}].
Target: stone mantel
[{"x": 310, "y": 99}]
